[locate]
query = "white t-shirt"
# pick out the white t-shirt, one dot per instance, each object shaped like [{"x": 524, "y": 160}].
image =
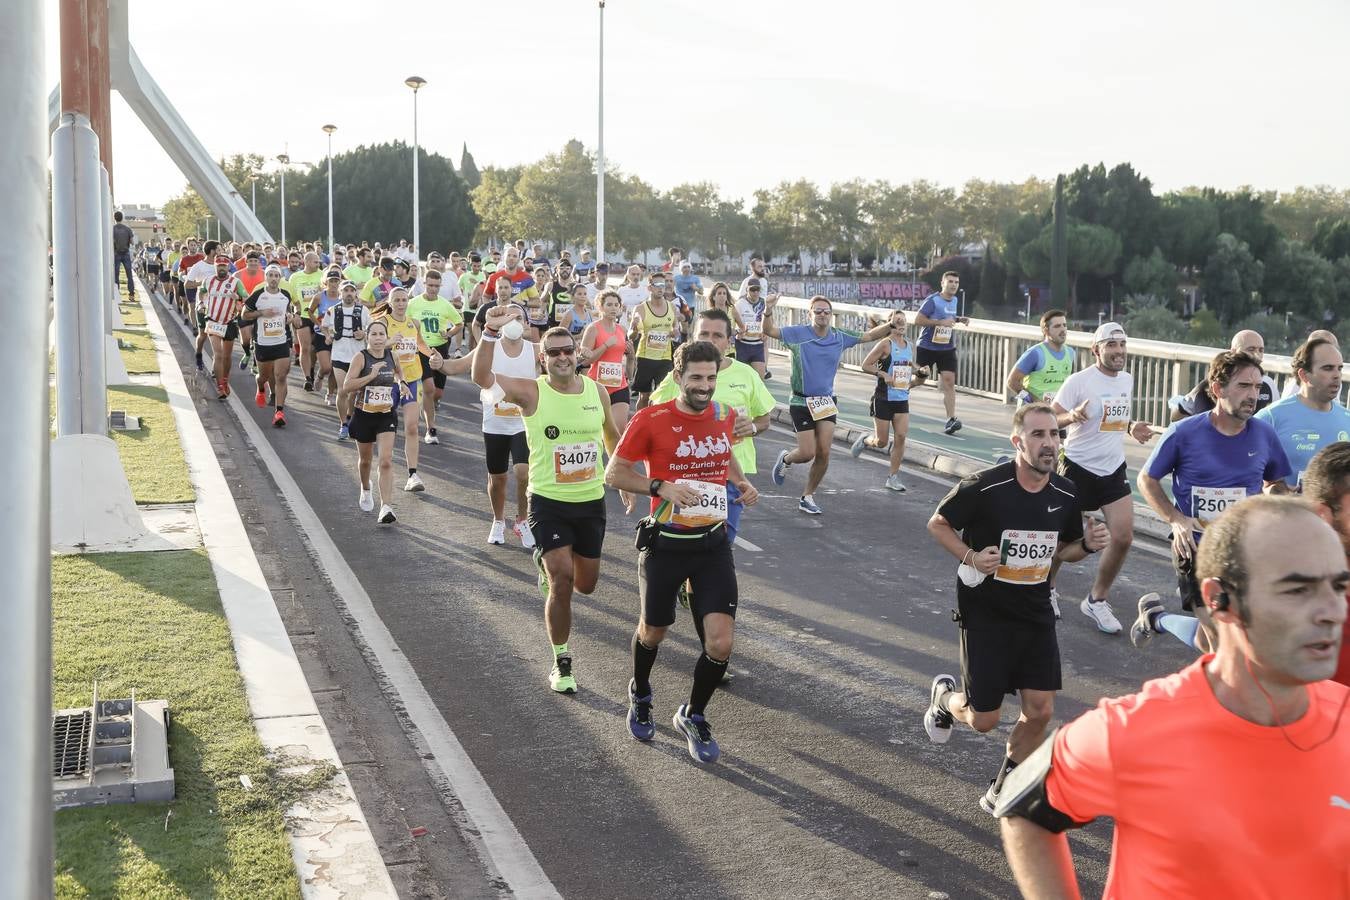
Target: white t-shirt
[
  {"x": 270, "y": 328},
  {"x": 632, "y": 298},
  {"x": 1097, "y": 444},
  {"x": 500, "y": 417},
  {"x": 753, "y": 321},
  {"x": 201, "y": 272},
  {"x": 345, "y": 346}
]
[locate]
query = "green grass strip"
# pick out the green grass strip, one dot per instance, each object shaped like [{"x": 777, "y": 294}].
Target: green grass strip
[
  {"x": 138, "y": 353},
  {"x": 153, "y": 622},
  {"x": 152, "y": 457}
]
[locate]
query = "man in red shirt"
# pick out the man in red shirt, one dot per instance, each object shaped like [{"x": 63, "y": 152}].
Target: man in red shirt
[
  {"x": 1230, "y": 778},
  {"x": 1326, "y": 482},
  {"x": 521, "y": 279},
  {"x": 686, "y": 445}
]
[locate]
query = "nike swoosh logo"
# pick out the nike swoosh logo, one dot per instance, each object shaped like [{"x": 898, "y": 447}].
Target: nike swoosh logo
[
  {"x": 1340, "y": 802},
  {"x": 1053, "y": 508},
  {"x": 1251, "y": 453}
]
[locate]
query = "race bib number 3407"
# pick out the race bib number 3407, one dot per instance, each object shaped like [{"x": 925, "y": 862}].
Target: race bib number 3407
[
  {"x": 1024, "y": 557},
  {"x": 575, "y": 463}
]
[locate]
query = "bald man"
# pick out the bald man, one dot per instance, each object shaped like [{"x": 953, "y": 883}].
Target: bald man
[
  {"x": 1321, "y": 334},
  {"x": 1199, "y": 400}
]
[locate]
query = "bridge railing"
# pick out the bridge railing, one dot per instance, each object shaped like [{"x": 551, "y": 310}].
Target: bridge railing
[{"x": 989, "y": 349}]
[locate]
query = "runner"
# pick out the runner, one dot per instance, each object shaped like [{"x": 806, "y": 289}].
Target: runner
[
  {"x": 750, "y": 313},
  {"x": 1310, "y": 419},
  {"x": 1199, "y": 400},
  {"x": 1215, "y": 460},
  {"x": 607, "y": 350},
  {"x": 200, "y": 272},
  {"x": 409, "y": 347},
  {"x": 651, "y": 331},
  {"x": 251, "y": 277},
  {"x": 578, "y": 314},
  {"x": 359, "y": 271},
  {"x": 686, "y": 447},
  {"x": 377, "y": 289},
  {"x": 224, "y": 296},
  {"x": 1326, "y": 485},
  {"x": 539, "y": 304},
  {"x": 816, "y": 350},
  {"x": 1095, "y": 404},
  {"x": 504, "y": 439},
  {"x": 321, "y": 347},
  {"x": 186, "y": 261},
  {"x": 893, "y": 361},
  {"x": 305, "y": 287},
  {"x": 1038, "y": 373},
  {"x": 374, "y": 381},
  {"x": 566, "y": 419},
  {"x": 271, "y": 305},
  {"x": 937, "y": 320},
  {"x": 1008, "y": 522},
  {"x": 344, "y": 327},
  {"x": 1291, "y": 385},
  {"x": 441, "y": 323},
  {"x": 631, "y": 293},
  {"x": 688, "y": 285},
  {"x": 1253, "y": 734}
]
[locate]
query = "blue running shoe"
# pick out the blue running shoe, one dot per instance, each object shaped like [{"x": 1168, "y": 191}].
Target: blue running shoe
[
  {"x": 780, "y": 468},
  {"x": 698, "y": 733},
  {"x": 807, "y": 504},
  {"x": 640, "y": 722},
  {"x": 343, "y": 433}
]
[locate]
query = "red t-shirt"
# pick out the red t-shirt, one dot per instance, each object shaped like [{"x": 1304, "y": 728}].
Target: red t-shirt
[
  {"x": 678, "y": 446},
  {"x": 1207, "y": 804},
  {"x": 519, "y": 275},
  {"x": 188, "y": 261},
  {"x": 251, "y": 282}
]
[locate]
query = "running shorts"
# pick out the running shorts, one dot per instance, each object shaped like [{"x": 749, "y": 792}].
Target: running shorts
[
  {"x": 1095, "y": 491},
  {"x": 556, "y": 523},
  {"x": 704, "y": 560},
  {"x": 1005, "y": 659},
  {"x": 936, "y": 360},
  {"x": 503, "y": 449}
]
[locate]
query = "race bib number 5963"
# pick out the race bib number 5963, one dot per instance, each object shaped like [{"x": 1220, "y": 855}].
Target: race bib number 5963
[{"x": 1024, "y": 557}]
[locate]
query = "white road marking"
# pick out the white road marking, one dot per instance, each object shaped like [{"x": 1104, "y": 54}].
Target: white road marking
[{"x": 746, "y": 545}]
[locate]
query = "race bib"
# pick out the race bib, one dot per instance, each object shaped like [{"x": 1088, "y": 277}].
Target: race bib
[
  {"x": 741, "y": 413},
  {"x": 710, "y": 509},
  {"x": 658, "y": 340},
  {"x": 1208, "y": 502},
  {"x": 1024, "y": 557},
  {"x": 506, "y": 410},
  {"x": 575, "y": 463},
  {"x": 610, "y": 374},
  {"x": 901, "y": 375},
  {"x": 942, "y": 334},
  {"x": 1048, "y": 397},
  {"x": 754, "y": 328},
  {"x": 379, "y": 398},
  {"x": 821, "y": 407},
  {"x": 274, "y": 328},
  {"x": 1115, "y": 414},
  {"x": 405, "y": 351},
  {"x": 216, "y": 328}
]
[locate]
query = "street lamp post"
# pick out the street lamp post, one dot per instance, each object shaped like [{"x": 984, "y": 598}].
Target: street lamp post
[
  {"x": 234, "y": 198},
  {"x": 283, "y": 159},
  {"x": 416, "y": 84},
  {"x": 253, "y": 189},
  {"x": 600, "y": 153},
  {"x": 328, "y": 130}
]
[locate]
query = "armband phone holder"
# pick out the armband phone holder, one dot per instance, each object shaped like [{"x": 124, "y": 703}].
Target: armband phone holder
[{"x": 1023, "y": 793}]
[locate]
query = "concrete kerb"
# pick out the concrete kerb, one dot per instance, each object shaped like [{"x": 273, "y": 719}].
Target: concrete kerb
[
  {"x": 957, "y": 465},
  {"x": 334, "y": 851}
]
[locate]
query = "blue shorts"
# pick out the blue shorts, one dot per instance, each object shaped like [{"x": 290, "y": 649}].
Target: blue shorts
[
  {"x": 412, "y": 386},
  {"x": 734, "y": 511},
  {"x": 748, "y": 352}
]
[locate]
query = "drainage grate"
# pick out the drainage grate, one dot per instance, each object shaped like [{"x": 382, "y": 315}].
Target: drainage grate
[{"x": 70, "y": 743}]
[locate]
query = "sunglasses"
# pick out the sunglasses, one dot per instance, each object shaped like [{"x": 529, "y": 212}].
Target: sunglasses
[
  {"x": 820, "y": 312},
  {"x": 554, "y": 352}
]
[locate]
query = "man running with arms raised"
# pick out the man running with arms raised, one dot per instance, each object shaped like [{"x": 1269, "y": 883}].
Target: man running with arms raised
[{"x": 567, "y": 418}]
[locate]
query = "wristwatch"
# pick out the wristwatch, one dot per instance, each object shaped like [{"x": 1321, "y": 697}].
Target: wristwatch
[
  {"x": 655, "y": 487},
  {"x": 1086, "y": 549}
]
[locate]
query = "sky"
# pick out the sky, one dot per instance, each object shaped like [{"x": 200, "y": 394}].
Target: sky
[{"x": 747, "y": 93}]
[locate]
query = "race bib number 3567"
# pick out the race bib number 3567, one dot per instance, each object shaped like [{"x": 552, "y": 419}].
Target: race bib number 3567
[{"x": 1024, "y": 557}]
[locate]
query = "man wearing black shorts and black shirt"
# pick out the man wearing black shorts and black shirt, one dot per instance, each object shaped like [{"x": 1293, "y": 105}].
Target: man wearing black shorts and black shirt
[
  {"x": 686, "y": 445},
  {"x": 1007, "y": 524}
]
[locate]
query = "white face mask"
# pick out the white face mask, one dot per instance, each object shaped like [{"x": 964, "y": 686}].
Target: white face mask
[{"x": 513, "y": 330}]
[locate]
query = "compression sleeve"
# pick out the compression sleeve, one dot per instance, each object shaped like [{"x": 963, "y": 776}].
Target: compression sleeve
[{"x": 1082, "y": 782}]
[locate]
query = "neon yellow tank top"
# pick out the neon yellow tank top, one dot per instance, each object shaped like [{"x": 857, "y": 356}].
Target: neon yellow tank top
[
  {"x": 566, "y": 437},
  {"x": 657, "y": 332}
]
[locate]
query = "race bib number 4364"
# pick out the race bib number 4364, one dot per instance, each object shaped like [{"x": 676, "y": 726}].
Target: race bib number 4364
[
  {"x": 1024, "y": 557},
  {"x": 710, "y": 509}
]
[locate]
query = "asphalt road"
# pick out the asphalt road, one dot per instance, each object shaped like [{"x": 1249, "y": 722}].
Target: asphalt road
[{"x": 827, "y": 787}]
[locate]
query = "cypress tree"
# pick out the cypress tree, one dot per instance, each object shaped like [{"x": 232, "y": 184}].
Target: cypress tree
[
  {"x": 1059, "y": 252},
  {"x": 468, "y": 170}
]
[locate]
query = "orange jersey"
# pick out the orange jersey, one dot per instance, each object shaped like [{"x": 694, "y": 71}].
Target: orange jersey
[{"x": 1207, "y": 804}]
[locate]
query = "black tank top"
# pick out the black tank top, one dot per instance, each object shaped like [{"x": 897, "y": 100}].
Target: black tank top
[{"x": 380, "y": 394}]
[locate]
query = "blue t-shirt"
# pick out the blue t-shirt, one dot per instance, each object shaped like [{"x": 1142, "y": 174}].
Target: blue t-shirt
[
  {"x": 1209, "y": 469},
  {"x": 583, "y": 268},
  {"x": 938, "y": 307},
  {"x": 685, "y": 285},
  {"x": 815, "y": 359},
  {"x": 326, "y": 303},
  {"x": 1303, "y": 431}
]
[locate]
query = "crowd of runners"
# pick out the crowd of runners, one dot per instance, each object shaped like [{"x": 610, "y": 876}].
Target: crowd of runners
[{"x": 652, "y": 384}]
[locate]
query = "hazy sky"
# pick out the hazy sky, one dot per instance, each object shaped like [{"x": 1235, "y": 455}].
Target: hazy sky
[{"x": 745, "y": 93}]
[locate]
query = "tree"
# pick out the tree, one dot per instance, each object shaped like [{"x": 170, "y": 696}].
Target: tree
[
  {"x": 1297, "y": 213},
  {"x": 1092, "y": 250},
  {"x": 1205, "y": 329},
  {"x": 557, "y": 195},
  {"x": 1231, "y": 278},
  {"x": 1149, "y": 317},
  {"x": 793, "y": 210},
  {"x": 1120, "y": 199},
  {"x": 1187, "y": 227},
  {"x": 691, "y": 211},
  {"x": 1059, "y": 250},
  {"x": 987, "y": 208},
  {"x": 1151, "y": 274},
  {"x": 846, "y": 219},
  {"x": 497, "y": 205},
  {"x": 468, "y": 169},
  {"x": 1243, "y": 215},
  {"x": 631, "y": 221},
  {"x": 1298, "y": 280},
  {"x": 1023, "y": 230},
  {"x": 183, "y": 215},
  {"x": 1331, "y": 238}
]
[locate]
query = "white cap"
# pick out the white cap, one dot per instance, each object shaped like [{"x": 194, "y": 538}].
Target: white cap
[
  {"x": 1108, "y": 331},
  {"x": 686, "y": 264}
]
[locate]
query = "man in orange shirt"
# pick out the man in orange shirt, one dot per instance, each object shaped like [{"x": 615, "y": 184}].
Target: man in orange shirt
[{"x": 1230, "y": 778}]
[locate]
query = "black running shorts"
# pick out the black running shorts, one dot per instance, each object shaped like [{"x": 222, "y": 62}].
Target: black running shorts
[
  {"x": 366, "y": 426},
  {"x": 650, "y": 373},
  {"x": 556, "y": 523},
  {"x": 710, "y": 570},
  {"x": 503, "y": 449},
  {"x": 1005, "y": 659},
  {"x": 936, "y": 360},
  {"x": 1095, "y": 491}
]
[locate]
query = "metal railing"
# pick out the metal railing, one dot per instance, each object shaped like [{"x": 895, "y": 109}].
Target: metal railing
[{"x": 988, "y": 349}]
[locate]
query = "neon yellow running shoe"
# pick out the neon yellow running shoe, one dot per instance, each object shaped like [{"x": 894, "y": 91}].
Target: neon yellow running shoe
[{"x": 561, "y": 678}]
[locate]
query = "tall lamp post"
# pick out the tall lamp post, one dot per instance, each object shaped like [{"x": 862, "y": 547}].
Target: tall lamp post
[
  {"x": 600, "y": 153},
  {"x": 253, "y": 189},
  {"x": 283, "y": 159},
  {"x": 328, "y": 130},
  {"x": 234, "y": 198},
  {"x": 416, "y": 84}
]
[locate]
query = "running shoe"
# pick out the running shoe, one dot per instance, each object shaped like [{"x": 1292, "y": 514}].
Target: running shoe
[
  {"x": 387, "y": 516},
  {"x": 309, "y": 384},
  {"x": 640, "y": 723},
  {"x": 937, "y": 721},
  {"x": 542, "y": 579},
  {"x": 279, "y": 419},
  {"x": 522, "y": 530},
  {"x": 893, "y": 483},
  {"x": 990, "y": 798},
  {"x": 780, "y": 468},
  {"x": 1054, "y": 603},
  {"x": 260, "y": 399},
  {"x": 953, "y": 426},
  {"x": 253, "y": 364},
  {"x": 768, "y": 374},
  {"x": 807, "y": 504},
  {"x": 561, "y": 678},
  {"x": 329, "y": 399},
  {"x": 344, "y": 434},
  {"x": 201, "y": 366},
  {"x": 698, "y": 733},
  {"x": 222, "y": 390},
  {"x": 244, "y": 361},
  {"x": 1143, "y": 629},
  {"x": 497, "y": 535},
  {"x": 431, "y": 438},
  {"x": 366, "y": 500},
  {"x": 1099, "y": 612},
  {"x": 414, "y": 483},
  {"x": 856, "y": 448}
]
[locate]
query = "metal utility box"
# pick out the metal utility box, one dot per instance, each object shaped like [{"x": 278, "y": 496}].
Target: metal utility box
[{"x": 113, "y": 751}]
